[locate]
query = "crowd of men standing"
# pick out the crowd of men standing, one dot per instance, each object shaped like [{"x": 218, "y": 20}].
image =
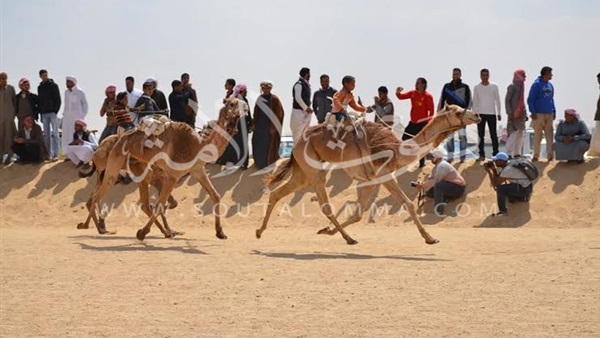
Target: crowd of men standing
[{"x": 266, "y": 121}]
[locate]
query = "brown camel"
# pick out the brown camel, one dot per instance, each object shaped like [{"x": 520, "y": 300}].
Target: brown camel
[
  {"x": 371, "y": 155},
  {"x": 177, "y": 151},
  {"x": 154, "y": 178}
]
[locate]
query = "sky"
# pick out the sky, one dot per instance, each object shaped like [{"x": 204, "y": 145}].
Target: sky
[{"x": 380, "y": 42}]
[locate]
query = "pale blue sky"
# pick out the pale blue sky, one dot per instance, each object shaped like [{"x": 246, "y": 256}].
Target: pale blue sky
[{"x": 380, "y": 42}]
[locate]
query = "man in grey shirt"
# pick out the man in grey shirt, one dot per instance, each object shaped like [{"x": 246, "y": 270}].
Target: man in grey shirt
[{"x": 323, "y": 98}]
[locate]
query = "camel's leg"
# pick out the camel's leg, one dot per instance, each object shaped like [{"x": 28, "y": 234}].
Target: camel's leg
[
  {"x": 296, "y": 182},
  {"x": 115, "y": 162},
  {"x": 145, "y": 199},
  {"x": 326, "y": 210},
  {"x": 393, "y": 188},
  {"x": 88, "y": 205},
  {"x": 160, "y": 208},
  {"x": 201, "y": 176},
  {"x": 86, "y": 224},
  {"x": 364, "y": 197}
]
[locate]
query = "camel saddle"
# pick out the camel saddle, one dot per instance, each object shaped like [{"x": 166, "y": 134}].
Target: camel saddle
[
  {"x": 349, "y": 122},
  {"x": 153, "y": 126}
]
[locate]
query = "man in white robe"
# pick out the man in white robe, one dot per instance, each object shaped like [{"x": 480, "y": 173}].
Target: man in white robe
[
  {"x": 76, "y": 108},
  {"x": 81, "y": 149}
]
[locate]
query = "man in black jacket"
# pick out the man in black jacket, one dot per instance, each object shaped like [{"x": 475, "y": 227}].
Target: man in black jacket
[
  {"x": 458, "y": 93},
  {"x": 49, "y": 98}
]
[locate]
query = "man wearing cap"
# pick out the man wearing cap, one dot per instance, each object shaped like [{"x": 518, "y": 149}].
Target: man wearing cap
[
  {"x": 27, "y": 102},
  {"x": 81, "y": 149},
  {"x": 444, "y": 183},
  {"x": 76, "y": 108},
  {"x": 510, "y": 182}
]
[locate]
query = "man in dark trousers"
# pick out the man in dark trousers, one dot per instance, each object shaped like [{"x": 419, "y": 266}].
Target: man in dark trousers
[
  {"x": 49, "y": 105},
  {"x": 458, "y": 93}
]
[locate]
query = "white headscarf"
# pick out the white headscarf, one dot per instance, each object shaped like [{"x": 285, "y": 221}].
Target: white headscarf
[
  {"x": 437, "y": 152},
  {"x": 73, "y": 79}
]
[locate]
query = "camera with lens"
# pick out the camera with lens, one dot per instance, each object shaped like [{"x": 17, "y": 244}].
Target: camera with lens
[
  {"x": 489, "y": 165},
  {"x": 414, "y": 184}
]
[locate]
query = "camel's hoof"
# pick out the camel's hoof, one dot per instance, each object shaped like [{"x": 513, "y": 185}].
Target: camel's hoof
[
  {"x": 351, "y": 241},
  {"x": 221, "y": 235},
  {"x": 176, "y": 233},
  {"x": 140, "y": 235},
  {"x": 83, "y": 226},
  {"x": 324, "y": 231},
  {"x": 258, "y": 233},
  {"x": 433, "y": 241}
]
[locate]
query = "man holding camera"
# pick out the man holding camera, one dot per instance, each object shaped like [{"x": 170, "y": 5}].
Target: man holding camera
[
  {"x": 444, "y": 183},
  {"x": 509, "y": 181}
]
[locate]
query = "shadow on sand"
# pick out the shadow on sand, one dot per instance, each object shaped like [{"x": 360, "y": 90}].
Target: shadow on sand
[
  {"x": 321, "y": 255},
  {"x": 141, "y": 246}
]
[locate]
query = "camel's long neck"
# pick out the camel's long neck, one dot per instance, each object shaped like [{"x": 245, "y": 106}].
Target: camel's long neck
[
  {"x": 218, "y": 138},
  {"x": 434, "y": 132}
]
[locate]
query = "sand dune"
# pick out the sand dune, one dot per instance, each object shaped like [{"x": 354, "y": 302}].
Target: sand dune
[{"x": 533, "y": 274}]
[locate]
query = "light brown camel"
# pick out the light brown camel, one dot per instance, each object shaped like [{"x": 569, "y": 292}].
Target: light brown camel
[
  {"x": 154, "y": 178},
  {"x": 372, "y": 156},
  {"x": 177, "y": 151}
]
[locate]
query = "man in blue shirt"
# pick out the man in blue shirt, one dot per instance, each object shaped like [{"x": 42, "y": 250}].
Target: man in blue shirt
[{"x": 543, "y": 112}]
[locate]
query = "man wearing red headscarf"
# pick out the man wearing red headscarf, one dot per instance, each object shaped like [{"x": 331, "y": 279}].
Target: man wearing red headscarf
[{"x": 517, "y": 114}]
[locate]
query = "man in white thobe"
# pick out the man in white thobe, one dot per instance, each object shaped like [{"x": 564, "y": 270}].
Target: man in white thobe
[
  {"x": 81, "y": 149},
  {"x": 76, "y": 108},
  {"x": 301, "y": 110}
]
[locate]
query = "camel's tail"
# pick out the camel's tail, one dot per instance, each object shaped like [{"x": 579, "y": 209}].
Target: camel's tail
[
  {"x": 281, "y": 172},
  {"x": 84, "y": 174}
]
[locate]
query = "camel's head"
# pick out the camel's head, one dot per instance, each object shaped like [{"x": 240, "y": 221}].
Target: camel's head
[
  {"x": 450, "y": 119},
  {"x": 458, "y": 117},
  {"x": 231, "y": 113}
]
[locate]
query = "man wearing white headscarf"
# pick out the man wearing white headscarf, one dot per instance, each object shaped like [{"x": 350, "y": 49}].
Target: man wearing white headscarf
[
  {"x": 76, "y": 108},
  {"x": 82, "y": 146},
  {"x": 444, "y": 183}
]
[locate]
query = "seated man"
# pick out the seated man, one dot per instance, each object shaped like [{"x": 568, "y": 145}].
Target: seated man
[
  {"x": 510, "y": 182},
  {"x": 29, "y": 143},
  {"x": 572, "y": 138},
  {"x": 444, "y": 183},
  {"x": 81, "y": 149}
]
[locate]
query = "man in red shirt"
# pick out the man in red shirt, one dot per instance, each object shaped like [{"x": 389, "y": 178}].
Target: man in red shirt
[{"x": 422, "y": 110}]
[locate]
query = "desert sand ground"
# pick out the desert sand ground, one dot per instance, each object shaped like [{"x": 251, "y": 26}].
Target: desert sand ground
[{"x": 533, "y": 274}]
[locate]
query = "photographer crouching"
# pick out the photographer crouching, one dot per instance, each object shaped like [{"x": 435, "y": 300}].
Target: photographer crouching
[
  {"x": 444, "y": 183},
  {"x": 512, "y": 179}
]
